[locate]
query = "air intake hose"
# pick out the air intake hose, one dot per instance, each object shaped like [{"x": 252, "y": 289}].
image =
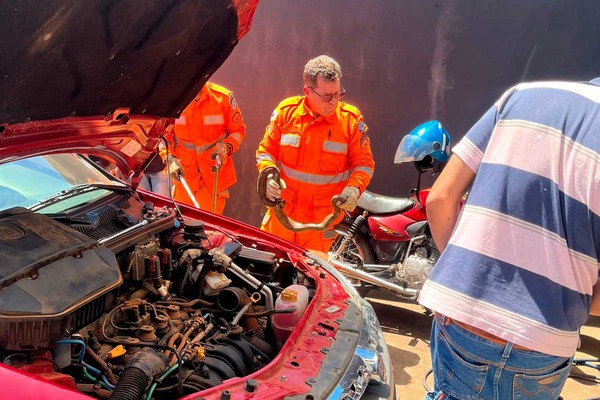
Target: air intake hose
[{"x": 138, "y": 374}]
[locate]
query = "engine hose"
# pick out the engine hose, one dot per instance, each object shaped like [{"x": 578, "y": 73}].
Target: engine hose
[
  {"x": 240, "y": 314},
  {"x": 132, "y": 385},
  {"x": 187, "y": 304},
  {"x": 99, "y": 374},
  {"x": 154, "y": 346},
  {"x": 270, "y": 312},
  {"x": 168, "y": 335},
  {"x": 138, "y": 373},
  {"x": 91, "y": 378},
  {"x": 162, "y": 377},
  {"x": 103, "y": 367}
]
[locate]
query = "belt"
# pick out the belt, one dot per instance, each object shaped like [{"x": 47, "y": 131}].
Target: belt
[{"x": 478, "y": 332}]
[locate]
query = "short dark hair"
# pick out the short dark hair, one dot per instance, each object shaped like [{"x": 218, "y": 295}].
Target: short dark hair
[{"x": 323, "y": 66}]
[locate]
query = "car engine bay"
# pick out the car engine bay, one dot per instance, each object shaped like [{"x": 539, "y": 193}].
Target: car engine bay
[{"x": 125, "y": 300}]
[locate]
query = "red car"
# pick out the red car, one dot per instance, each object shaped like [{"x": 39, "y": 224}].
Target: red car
[{"x": 109, "y": 292}]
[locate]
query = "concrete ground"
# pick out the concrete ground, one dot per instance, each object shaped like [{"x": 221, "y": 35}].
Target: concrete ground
[{"x": 406, "y": 329}]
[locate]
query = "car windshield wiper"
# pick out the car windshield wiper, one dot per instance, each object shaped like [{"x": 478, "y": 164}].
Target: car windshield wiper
[{"x": 77, "y": 190}]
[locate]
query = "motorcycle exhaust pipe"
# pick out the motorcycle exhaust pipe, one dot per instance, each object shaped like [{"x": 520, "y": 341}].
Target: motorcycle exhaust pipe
[{"x": 349, "y": 270}]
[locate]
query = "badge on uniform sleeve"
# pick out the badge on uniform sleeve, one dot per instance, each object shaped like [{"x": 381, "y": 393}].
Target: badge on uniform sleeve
[
  {"x": 362, "y": 127},
  {"x": 274, "y": 115},
  {"x": 232, "y": 102},
  {"x": 236, "y": 115},
  {"x": 364, "y": 139}
]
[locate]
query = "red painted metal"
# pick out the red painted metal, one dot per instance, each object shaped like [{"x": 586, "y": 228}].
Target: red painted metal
[
  {"x": 392, "y": 228},
  {"x": 245, "y": 12},
  {"x": 21, "y": 385},
  {"x": 44, "y": 368},
  {"x": 418, "y": 212},
  {"x": 128, "y": 142}
]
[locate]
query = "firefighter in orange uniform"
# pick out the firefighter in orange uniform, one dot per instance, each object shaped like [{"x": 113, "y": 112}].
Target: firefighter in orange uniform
[
  {"x": 210, "y": 125},
  {"x": 319, "y": 146}
]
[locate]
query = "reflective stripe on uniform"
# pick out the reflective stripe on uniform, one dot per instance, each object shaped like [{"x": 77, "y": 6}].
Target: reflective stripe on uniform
[
  {"x": 315, "y": 179},
  {"x": 366, "y": 170},
  {"x": 198, "y": 149},
  {"x": 237, "y": 137},
  {"x": 290, "y": 140},
  {"x": 265, "y": 157},
  {"x": 335, "y": 147}
]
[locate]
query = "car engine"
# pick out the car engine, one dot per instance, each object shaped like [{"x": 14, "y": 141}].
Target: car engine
[{"x": 128, "y": 301}]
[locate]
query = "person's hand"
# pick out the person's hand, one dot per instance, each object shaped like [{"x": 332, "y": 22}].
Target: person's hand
[
  {"x": 348, "y": 198},
  {"x": 175, "y": 169},
  {"x": 268, "y": 186},
  {"x": 222, "y": 150},
  {"x": 273, "y": 190}
]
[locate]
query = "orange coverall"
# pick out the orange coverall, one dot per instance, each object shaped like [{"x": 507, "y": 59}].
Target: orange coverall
[
  {"x": 213, "y": 116},
  {"x": 317, "y": 157}
]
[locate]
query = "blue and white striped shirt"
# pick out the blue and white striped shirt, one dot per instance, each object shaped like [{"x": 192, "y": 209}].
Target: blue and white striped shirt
[{"x": 523, "y": 258}]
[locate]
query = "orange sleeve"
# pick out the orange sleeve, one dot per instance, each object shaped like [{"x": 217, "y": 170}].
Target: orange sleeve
[
  {"x": 359, "y": 154},
  {"x": 268, "y": 149},
  {"x": 171, "y": 139},
  {"x": 235, "y": 129}
]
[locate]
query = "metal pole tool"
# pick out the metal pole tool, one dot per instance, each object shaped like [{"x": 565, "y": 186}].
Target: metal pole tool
[
  {"x": 215, "y": 170},
  {"x": 188, "y": 191}
]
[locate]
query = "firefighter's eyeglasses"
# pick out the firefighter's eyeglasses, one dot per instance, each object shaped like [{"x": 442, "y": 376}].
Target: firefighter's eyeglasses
[{"x": 326, "y": 98}]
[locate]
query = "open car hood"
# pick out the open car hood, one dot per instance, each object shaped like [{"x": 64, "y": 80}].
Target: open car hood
[{"x": 105, "y": 77}]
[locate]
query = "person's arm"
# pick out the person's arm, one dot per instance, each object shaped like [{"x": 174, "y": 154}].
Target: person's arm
[
  {"x": 595, "y": 306},
  {"x": 360, "y": 157},
  {"x": 234, "y": 125},
  {"x": 443, "y": 201},
  {"x": 171, "y": 137},
  {"x": 268, "y": 148}
]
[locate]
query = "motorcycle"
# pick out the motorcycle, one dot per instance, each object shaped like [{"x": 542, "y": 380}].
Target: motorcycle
[{"x": 386, "y": 241}]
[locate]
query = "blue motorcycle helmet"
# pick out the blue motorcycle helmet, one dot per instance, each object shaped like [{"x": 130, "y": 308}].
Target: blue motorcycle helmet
[{"x": 428, "y": 146}]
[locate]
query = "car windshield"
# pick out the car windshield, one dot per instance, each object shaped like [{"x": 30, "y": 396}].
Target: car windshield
[{"x": 53, "y": 183}]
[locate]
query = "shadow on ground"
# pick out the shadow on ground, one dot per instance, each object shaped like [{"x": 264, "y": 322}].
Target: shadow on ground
[
  {"x": 411, "y": 320},
  {"x": 407, "y": 331}
]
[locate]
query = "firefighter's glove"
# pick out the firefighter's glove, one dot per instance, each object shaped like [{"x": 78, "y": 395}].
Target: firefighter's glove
[
  {"x": 223, "y": 150},
  {"x": 269, "y": 186},
  {"x": 174, "y": 168},
  {"x": 348, "y": 198},
  {"x": 273, "y": 190}
]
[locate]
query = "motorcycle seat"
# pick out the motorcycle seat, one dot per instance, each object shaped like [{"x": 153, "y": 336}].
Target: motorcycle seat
[{"x": 379, "y": 204}]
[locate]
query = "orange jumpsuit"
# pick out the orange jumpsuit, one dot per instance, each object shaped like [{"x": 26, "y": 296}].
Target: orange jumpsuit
[
  {"x": 213, "y": 116},
  {"x": 317, "y": 157}
]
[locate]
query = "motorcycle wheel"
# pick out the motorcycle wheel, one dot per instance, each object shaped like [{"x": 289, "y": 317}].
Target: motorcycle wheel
[{"x": 358, "y": 252}]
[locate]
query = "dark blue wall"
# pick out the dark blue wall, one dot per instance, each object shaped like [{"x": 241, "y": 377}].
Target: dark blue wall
[{"x": 404, "y": 62}]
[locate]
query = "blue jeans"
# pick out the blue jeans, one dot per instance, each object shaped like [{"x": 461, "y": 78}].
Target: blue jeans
[{"x": 469, "y": 367}]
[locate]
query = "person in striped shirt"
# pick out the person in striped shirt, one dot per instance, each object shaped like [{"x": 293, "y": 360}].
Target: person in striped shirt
[{"x": 518, "y": 275}]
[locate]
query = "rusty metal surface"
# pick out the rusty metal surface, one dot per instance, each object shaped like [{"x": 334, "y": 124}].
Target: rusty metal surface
[{"x": 404, "y": 62}]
